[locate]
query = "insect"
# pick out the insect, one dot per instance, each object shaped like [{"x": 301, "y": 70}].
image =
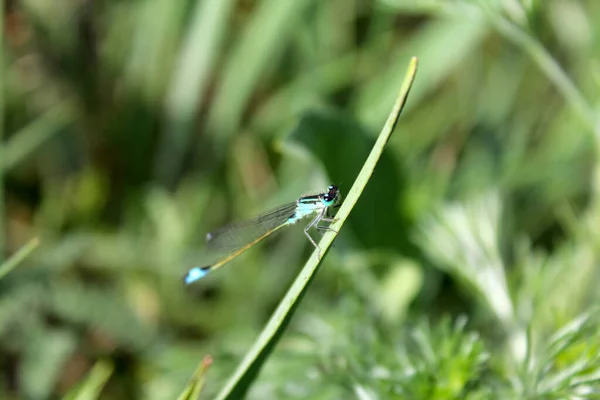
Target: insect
[{"x": 232, "y": 240}]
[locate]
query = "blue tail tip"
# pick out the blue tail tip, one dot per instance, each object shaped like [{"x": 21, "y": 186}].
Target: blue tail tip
[{"x": 195, "y": 274}]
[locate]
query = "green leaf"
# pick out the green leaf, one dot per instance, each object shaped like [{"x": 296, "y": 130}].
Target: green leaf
[
  {"x": 45, "y": 355},
  {"x": 250, "y": 366}
]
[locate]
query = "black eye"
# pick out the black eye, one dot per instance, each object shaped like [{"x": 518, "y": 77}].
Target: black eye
[{"x": 332, "y": 192}]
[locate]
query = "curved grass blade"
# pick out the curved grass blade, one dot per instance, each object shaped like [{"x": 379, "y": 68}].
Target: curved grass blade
[
  {"x": 248, "y": 369},
  {"x": 18, "y": 257}
]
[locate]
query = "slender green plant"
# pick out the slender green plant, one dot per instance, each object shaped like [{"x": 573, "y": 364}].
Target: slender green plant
[
  {"x": 248, "y": 369},
  {"x": 90, "y": 387},
  {"x": 2, "y": 129},
  {"x": 18, "y": 257}
]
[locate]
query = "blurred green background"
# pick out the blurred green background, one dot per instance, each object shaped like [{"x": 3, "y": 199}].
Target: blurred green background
[{"x": 468, "y": 269}]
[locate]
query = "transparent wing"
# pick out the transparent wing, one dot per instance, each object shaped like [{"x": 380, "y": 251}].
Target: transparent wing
[{"x": 234, "y": 236}]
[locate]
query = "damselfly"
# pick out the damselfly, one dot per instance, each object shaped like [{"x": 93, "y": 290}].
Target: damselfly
[{"x": 232, "y": 240}]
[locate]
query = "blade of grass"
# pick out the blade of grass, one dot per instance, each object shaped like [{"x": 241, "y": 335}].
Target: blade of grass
[
  {"x": 442, "y": 45},
  {"x": 271, "y": 25},
  {"x": 92, "y": 385},
  {"x": 32, "y": 136},
  {"x": 549, "y": 66},
  {"x": 192, "y": 72},
  {"x": 18, "y": 257},
  {"x": 2, "y": 68},
  {"x": 248, "y": 369},
  {"x": 194, "y": 387}
]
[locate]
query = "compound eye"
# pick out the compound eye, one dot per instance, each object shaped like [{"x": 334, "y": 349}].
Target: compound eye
[{"x": 333, "y": 192}]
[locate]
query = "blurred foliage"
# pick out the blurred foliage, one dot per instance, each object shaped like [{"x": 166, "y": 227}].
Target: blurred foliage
[{"x": 469, "y": 268}]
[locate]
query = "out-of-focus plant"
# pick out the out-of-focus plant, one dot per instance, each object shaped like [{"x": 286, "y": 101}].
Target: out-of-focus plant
[{"x": 130, "y": 129}]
